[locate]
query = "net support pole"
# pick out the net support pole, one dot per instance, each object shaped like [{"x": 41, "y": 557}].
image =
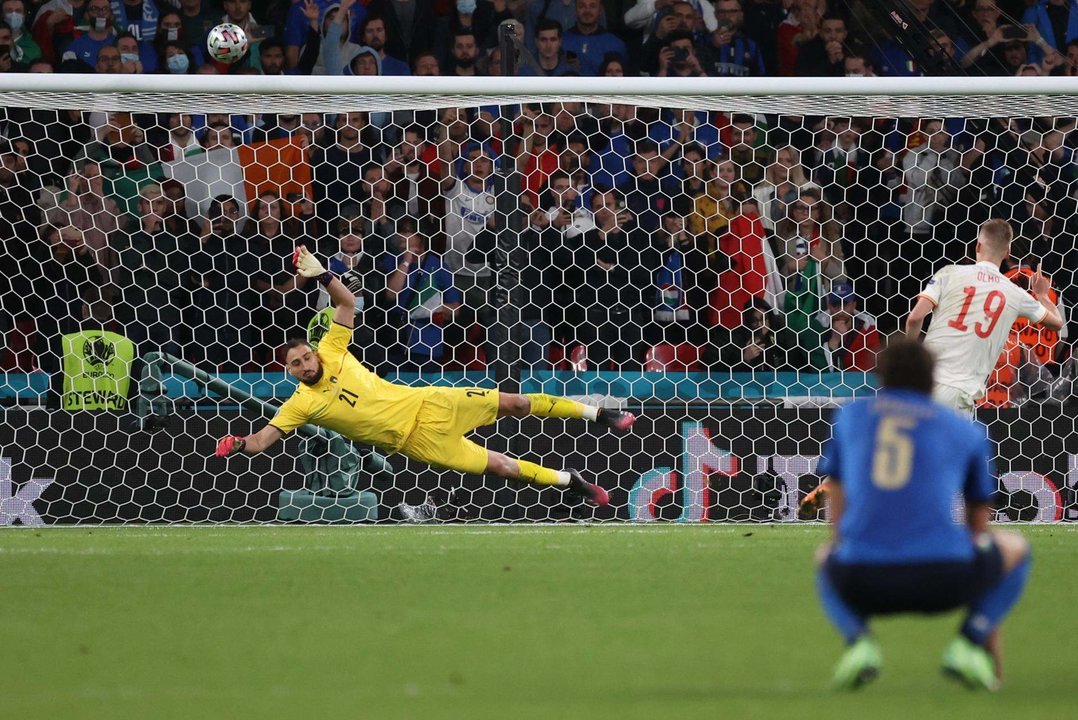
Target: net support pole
[{"x": 505, "y": 336}]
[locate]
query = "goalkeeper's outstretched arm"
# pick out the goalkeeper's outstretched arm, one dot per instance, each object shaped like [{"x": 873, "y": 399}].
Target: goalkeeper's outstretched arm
[
  {"x": 344, "y": 301},
  {"x": 255, "y": 443}
]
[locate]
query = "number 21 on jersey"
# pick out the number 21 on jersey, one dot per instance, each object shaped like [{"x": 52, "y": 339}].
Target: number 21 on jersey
[{"x": 993, "y": 308}]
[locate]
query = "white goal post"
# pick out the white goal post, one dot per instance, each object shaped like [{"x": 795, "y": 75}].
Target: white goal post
[
  {"x": 913, "y": 96},
  {"x": 627, "y": 243}
]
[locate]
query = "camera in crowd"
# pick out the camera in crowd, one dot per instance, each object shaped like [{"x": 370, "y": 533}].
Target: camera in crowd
[{"x": 1014, "y": 32}]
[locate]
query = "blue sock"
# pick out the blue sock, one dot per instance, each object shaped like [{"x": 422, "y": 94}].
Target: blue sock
[
  {"x": 988, "y": 611},
  {"x": 842, "y": 616}
]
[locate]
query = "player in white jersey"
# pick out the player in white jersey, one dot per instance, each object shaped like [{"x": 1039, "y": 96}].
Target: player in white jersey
[{"x": 974, "y": 307}]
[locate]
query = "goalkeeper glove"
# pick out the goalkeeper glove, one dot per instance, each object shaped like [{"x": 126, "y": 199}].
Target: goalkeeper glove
[
  {"x": 307, "y": 265},
  {"x": 813, "y": 502},
  {"x": 230, "y": 445}
]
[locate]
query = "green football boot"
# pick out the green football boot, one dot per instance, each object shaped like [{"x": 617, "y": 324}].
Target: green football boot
[
  {"x": 970, "y": 664},
  {"x": 860, "y": 664}
]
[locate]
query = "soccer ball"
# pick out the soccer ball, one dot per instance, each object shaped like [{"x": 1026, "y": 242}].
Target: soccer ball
[{"x": 227, "y": 43}]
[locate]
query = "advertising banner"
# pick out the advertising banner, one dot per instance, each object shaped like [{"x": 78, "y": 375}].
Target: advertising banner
[{"x": 688, "y": 465}]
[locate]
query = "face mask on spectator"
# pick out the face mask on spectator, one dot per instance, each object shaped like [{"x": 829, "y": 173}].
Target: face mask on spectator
[
  {"x": 172, "y": 34},
  {"x": 466, "y": 7},
  {"x": 178, "y": 64},
  {"x": 14, "y": 19},
  {"x": 100, "y": 24},
  {"x": 128, "y": 57}
]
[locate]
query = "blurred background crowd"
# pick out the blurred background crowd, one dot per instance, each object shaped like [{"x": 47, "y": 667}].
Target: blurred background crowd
[{"x": 654, "y": 238}]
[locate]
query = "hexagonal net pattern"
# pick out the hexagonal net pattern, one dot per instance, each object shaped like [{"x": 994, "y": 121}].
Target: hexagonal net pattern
[{"x": 726, "y": 267}]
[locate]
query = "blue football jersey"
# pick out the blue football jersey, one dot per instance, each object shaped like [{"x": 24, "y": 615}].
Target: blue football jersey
[{"x": 901, "y": 458}]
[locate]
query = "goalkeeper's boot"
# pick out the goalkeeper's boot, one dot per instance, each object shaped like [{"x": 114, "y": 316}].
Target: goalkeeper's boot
[
  {"x": 860, "y": 664},
  {"x": 970, "y": 664},
  {"x": 616, "y": 419},
  {"x": 589, "y": 491},
  {"x": 812, "y": 502}
]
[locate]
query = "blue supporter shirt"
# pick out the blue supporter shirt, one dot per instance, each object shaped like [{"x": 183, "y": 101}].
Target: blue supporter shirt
[
  {"x": 901, "y": 458},
  {"x": 428, "y": 288},
  {"x": 591, "y": 49},
  {"x": 140, "y": 21},
  {"x": 85, "y": 48},
  {"x": 393, "y": 66},
  {"x": 738, "y": 58}
]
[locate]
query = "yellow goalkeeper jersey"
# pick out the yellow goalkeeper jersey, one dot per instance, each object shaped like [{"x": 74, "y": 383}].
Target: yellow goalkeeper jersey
[{"x": 352, "y": 400}]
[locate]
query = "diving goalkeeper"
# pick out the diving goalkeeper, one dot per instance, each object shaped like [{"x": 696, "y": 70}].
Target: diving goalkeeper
[{"x": 427, "y": 424}]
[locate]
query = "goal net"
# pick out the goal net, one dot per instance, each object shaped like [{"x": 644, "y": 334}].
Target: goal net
[{"x": 723, "y": 257}]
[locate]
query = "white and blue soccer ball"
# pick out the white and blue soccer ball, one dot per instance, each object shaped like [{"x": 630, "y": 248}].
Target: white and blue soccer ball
[{"x": 227, "y": 43}]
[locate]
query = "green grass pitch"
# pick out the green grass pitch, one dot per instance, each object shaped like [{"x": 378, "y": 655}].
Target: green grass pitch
[{"x": 479, "y": 622}]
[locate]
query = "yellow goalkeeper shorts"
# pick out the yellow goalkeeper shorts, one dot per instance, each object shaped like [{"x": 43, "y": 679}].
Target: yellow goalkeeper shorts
[{"x": 444, "y": 417}]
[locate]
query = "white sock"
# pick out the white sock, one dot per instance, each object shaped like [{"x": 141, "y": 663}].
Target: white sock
[
  {"x": 563, "y": 479},
  {"x": 591, "y": 413}
]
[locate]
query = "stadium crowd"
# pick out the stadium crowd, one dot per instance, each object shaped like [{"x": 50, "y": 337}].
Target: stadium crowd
[{"x": 654, "y": 237}]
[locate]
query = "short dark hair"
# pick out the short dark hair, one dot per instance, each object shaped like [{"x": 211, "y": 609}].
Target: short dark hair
[
  {"x": 906, "y": 364},
  {"x": 463, "y": 32},
  {"x": 426, "y": 53},
  {"x": 295, "y": 343},
  {"x": 217, "y": 206},
  {"x": 369, "y": 19},
  {"x": 857, "y": 49},
  {"x": 676, "y": 36},
  {"x": 578, "y": 138},
  {"x": 693, "y": 147},
  {"x": 547, "y": 24},
  {"x": 614, "y": 57},
  {"x": 557, "y": 175},
  {"x": 645, "y": 145},
  {"x": 752, "y": 306},
  {"x": 598, "y": 190},
  {"x": 269, "y": 44}
]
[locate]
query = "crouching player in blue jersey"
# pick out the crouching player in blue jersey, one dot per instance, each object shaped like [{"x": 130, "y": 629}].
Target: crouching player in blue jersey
[{"x": 897, "y": 461}]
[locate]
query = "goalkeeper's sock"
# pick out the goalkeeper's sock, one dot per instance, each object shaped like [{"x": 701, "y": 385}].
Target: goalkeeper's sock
[
  {"x": 988, "y": 611},
  {"x": 539, "y": 475},
  {"x": 847, "y": 620},
  {"x": 552, "y": 406}
]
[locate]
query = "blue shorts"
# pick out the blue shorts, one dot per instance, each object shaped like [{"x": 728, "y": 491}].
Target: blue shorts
[{"x": 873, "y": 589}]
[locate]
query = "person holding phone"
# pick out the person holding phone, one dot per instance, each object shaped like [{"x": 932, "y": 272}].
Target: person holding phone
[
  {"x": 1003, "y": 48},
  {"x": 758, "y": 344},
  {"x": 677, "y": 58},
  {"x": 730, "y": 53},
  {"x": 7, "y": 59}
]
